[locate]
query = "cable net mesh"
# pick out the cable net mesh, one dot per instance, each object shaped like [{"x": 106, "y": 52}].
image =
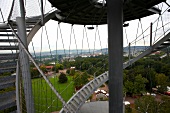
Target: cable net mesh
[
  {"x": 32, "y": 8},
  {"x": 44, "y": 98}
]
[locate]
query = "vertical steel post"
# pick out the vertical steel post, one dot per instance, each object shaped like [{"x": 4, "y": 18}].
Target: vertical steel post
[
  {"x": 115, "y": 48},
  {"x": 17, "y": 84},
  {"x": 151, "y": 34},
  {"x": 24, "y": 60},
  {"x": 129, "y": 54}
]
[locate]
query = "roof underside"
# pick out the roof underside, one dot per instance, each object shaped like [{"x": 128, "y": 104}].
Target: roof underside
[{"x": 89, "y": 12}]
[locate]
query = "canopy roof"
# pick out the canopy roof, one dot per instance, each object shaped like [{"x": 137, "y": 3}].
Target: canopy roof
[{"x": 93, "y": 12}]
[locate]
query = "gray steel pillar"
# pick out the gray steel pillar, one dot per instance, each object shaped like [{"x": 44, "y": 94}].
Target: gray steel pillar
[
  {"x": 115, "y": 48},
  {"x": 25, "y": 67},
  {"x": 24, "y": 60}
]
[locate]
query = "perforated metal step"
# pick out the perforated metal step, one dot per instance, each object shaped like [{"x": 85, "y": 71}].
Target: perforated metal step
[
  {"x": 9, "y": 47},
  {"x": 8, "y": 56},
  {"x": 7, "y": 100},
  {"x": 8, "y": 40}
]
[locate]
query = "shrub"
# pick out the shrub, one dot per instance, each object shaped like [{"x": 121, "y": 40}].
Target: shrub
[{"x": 62, "y": 78}]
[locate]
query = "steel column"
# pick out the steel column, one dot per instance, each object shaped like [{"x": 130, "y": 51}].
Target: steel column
[
  {"x": 25, "y": 68},
  {"x": 115, "y": 49},
  {"x": 24, "y": 60}
]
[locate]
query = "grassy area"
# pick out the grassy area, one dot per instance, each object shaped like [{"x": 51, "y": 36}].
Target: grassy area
[{"x": 44, "y": 98}]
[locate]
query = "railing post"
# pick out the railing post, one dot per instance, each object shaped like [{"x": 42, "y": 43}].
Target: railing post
[
  {"x": 151, "y": 34},
  {"x": 129, "y": 54},
  {"x": 17, "y": 84}
]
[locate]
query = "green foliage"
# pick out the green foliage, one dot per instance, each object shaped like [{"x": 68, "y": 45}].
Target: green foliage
[
  {"x": 5, "y": 74},
  {"x": 34, "y": 72},
  {"x": 59, "y": 66},
  {"x": 137, "y": 86},
  {"x": 80, "y": 79},
  {"x": 128, "y": 109},
  {"x": 164, "y": 106},
  {"x": 72, "y": 72},
  {"x": 43, "y": 68},
  {"x": 162, "y": 82},
  {"x": 62, "y": 78},
  {"x": 45, "y": 96},
  {"x": 150, "y": 105},
  {"x": 146, "y": 104},
  {"x": 129, "y": 87},
  {"x": 68, "y": 71}
]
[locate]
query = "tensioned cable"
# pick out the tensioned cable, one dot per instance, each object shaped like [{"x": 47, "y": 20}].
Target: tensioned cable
[
  {"x": 87, "y": 39},
  {"x": 48, "y": 41},
  {"x": 76, "y": 78},
  {"x": 153, "y": 23},
  {"x": 41, "y": 45},
  {"x": 70, "y": 40},
  {"x": 2, "y": 16},
  {"x": 61, "y": 38},
  {"x": 99, "y": 38},
  {"x": 81, "y": 74},
  {"x": 142, "y": 32},
  {"x": 75, "y": 41},
  {"x": 46, "y": 79},
  {"x": 136, "y": 38},
  {"x": 33, "y": 50},
  {"x": 162, "y": 22},
  {"x": 83, "y": 40},
  {"x": 158, "y": 22},
  {"x": 95, "y": 40},
  {"x": 58, "y": 32},
  {"x": 149, "y": 33},
  {"x": 126, "y": 37}
]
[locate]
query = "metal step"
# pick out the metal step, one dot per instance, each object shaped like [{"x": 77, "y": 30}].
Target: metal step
[
  {"x": 9, "y": 56},
  {"x": 7, "y": 81},
  {"x": 166, "y": 44},
  {"x": 8, "y": 100},
  {"x": 8, "y": 40},
  {"x": 9, "y": 47},
  {"x": 7, "y": 70},
  {"x": 10, "y": 31},
  {"x": 7, "y": 35},
  {"x": 8, "y": 64},
  {"x": 168, "y": 40}
]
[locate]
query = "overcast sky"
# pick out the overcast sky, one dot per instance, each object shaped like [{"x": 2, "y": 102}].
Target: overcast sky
[{"x": 95, "y": 39}]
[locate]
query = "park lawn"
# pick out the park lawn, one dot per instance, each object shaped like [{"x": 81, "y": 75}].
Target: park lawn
[{"x": 44, "y": 98}]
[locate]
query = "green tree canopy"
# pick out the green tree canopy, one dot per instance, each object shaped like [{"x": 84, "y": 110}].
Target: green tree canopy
[
  {"x": 162, "y": 82},
  {"x": 62, "y": 78}
]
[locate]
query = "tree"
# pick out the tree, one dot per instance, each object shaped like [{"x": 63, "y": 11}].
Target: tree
[
  {"x": 80, "y": 79},
  {"x": 136, "y": 86},
  {"x": 62, "y": 78},
  {"x": 34, "y": 72},
  {"x": 146, "y": 104},
  {"x": 164, "y": 106},
  {"x": 129, "y": 87},
  {"x": 139, "y": 84},
  {"x": 72, "y": 72},
  {"x": 43, "y": 68},
  {"x": 162, "y": 82}
]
